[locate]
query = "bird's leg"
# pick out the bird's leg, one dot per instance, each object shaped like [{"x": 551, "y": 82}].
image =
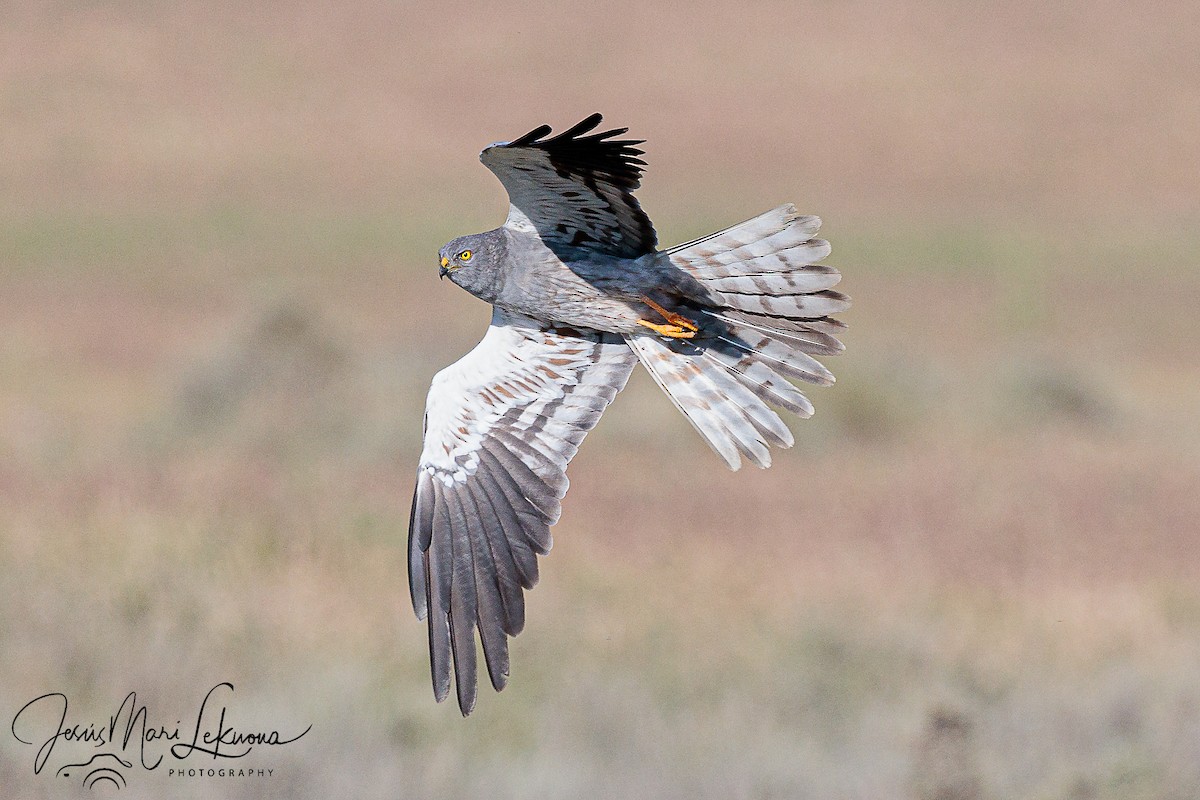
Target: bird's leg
[{"x": 678, "y": 327}]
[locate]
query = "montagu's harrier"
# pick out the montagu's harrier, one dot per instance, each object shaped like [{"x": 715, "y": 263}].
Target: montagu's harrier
[{"x": 581, "y": 293}]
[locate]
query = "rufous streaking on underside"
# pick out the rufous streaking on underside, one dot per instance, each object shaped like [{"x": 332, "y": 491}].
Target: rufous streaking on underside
[{"x": 580, "y": 294}]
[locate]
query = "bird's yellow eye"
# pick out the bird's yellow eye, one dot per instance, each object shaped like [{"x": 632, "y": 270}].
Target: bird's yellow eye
[{"x": 465, "y": 255}]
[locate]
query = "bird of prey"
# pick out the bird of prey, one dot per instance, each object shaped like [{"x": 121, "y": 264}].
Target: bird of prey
[{"x": 580, "y": 294}]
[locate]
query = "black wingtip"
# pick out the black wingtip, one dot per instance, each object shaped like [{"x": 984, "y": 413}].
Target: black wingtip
[
  {"x": 588, "y": 123},
  {"x": 583, "y": 126},
  {"x": 529, "y": 138},
  {"x": 583, "y": 151}
]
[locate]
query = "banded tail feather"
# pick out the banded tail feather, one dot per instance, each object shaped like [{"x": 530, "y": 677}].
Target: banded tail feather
[{"x": 768, "y": 312}]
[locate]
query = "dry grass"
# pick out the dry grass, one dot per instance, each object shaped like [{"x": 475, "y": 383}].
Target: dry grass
[{"x": 975, "y": 576}]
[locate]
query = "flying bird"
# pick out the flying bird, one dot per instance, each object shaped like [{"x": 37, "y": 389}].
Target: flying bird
[{"x": 580, "y": 294}]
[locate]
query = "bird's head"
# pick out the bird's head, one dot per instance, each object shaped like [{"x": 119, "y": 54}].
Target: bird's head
[{"x": 474, "y": 263}]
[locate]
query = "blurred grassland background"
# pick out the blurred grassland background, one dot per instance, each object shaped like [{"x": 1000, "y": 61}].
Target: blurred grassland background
[{"x": 975, "y": 577}]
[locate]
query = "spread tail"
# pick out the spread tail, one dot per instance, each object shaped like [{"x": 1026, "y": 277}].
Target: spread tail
[{"x": 768, "y": 312}]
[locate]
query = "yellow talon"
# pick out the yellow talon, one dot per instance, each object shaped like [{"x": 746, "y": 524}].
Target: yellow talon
[
  {"x": 680, "y": 327},
  {"x": 673, "y": 331}
]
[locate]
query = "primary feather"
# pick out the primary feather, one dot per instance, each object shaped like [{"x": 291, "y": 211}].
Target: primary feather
[
  {"x": 500, "y": 426},
  {"x": 575, "y": 190}
]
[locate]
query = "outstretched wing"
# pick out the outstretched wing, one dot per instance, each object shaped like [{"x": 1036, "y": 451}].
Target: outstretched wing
[
  {"x": 575, "y": 190},
  {"x": 501, "y": 424}
]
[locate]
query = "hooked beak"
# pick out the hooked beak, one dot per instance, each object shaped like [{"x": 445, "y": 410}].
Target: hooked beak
[{"x": 442, "y": 271}]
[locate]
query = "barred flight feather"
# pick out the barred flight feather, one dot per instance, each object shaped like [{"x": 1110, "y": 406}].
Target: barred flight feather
[
  {"x": 767, "y": 313},
  {"x": 501, "y": 424}
]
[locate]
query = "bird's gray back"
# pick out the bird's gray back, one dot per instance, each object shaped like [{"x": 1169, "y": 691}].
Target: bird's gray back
[{"x": 591, "y": 290}]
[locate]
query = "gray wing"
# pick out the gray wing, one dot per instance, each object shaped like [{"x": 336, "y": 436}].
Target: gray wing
[
  {"x": 574, "y": 190},
  {"x": 501, "y": 424}
]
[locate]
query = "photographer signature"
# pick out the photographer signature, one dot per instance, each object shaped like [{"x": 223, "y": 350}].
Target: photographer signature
[{"x": 43, "y": 722}]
